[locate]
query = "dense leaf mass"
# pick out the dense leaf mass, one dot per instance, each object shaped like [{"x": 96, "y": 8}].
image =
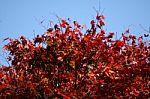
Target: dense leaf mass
[{"x": 66, "y": 63}]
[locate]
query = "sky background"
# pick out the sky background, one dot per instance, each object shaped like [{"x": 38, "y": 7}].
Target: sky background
[{"x": 23, "y": 17}]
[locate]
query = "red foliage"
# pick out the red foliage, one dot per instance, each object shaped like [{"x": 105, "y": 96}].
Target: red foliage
[{"x": 66, "y": 63}]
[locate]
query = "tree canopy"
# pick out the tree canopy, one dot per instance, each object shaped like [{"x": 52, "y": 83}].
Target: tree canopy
[{"x": 65, "y": 62}]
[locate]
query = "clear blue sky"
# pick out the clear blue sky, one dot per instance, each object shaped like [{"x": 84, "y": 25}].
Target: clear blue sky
[{"x": 22, "y": 17}]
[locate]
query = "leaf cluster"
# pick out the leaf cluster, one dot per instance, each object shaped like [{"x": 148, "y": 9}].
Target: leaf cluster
[{"x": 66, "y": 63}]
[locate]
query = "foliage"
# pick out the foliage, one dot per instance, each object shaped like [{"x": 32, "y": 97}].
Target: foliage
[{"x": 66, "y": 63}]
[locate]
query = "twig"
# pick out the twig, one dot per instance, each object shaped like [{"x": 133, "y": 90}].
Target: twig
[
  {"x": 148, "y": 31},
  {"x": 40, "y": 22}
]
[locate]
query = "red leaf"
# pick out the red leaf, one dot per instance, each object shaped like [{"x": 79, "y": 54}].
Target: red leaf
[
  {"x": 76, "y": 24},
  {"x": 120, "y": 43},
  {"x": 93, "y": 23},
  {"x": 101, "y": 23},
  {"x": 101, "y": 81},
  {"x": 101, "y": 17}
]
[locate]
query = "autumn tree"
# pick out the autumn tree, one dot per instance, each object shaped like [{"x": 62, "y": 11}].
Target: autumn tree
[{"x": 65, "y": 62}]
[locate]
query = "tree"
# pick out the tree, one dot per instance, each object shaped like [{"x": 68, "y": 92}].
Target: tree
[{"x": 66, "y": 63}]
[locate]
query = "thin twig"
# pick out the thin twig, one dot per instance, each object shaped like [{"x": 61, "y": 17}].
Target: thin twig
[
  {"x": 40, "y": 22},
  {"x": 59, "y": 22},
  {"x": 148, "y": 31}
]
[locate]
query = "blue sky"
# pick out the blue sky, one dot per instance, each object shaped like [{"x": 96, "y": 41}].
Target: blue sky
[{"x": 22, "y": 17}]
